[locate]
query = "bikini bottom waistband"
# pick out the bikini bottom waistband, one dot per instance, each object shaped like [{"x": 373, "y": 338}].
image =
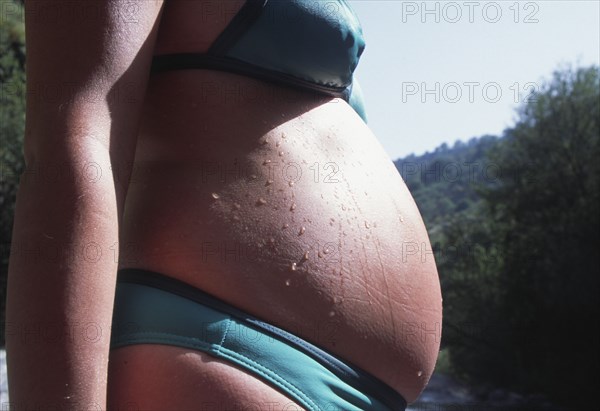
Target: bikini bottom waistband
[{"x": 151, "y": 308}]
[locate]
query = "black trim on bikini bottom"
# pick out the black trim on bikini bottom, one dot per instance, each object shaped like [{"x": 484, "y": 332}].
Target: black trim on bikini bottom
[
  {"x": 189, "y": 61},
  {"x": 350, "y": 374},
  {"x": 241, "y": 22}
]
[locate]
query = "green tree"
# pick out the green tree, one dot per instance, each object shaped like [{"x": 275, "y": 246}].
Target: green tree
[
  {"x": 531, "y": 286},
  {"x": 12, "y": 124},
  {"x": 547, "y": 207}
]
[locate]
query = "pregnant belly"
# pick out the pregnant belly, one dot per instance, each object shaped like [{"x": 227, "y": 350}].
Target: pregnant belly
[{"x": 300, "y": 219}]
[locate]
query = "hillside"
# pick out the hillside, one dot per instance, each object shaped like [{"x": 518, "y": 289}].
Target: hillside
[{"x": 444, "y": 182}]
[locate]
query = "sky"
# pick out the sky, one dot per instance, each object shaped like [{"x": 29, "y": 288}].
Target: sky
[{"x": 441, "y": 71}]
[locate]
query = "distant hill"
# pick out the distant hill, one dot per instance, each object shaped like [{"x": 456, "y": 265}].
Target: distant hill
[{"x": 444, "y": 182}]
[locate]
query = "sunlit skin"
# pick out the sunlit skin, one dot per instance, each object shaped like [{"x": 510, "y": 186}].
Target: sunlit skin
[
  {"x": 278, "y": 201},
  {"x": 283, "y": 204}
]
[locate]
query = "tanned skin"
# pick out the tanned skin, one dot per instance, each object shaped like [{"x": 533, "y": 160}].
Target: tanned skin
[{"x": 327, "y": 241}]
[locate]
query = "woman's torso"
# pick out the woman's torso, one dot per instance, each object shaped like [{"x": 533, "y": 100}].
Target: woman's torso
[{"x": 282, "y": 203}]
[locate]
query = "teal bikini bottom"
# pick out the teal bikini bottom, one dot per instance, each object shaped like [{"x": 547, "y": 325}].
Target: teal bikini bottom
[{"x": 151, "y": 308}]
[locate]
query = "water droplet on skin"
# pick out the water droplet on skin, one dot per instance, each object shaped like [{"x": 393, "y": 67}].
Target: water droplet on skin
[
  {"x": 286, "y": 225},
  {"x": 253, "y": 176},
  {"x": 326, "y": 251},
  {"x": 291, "y": 183},
  {"x": 302, "y": 230},
  {"x": 261, "y": 201},
  {"x": 277, "y": 144},
  {"x": 320, "y": 254},
  {"x": 288, "y": 282},
  {"x": 419, "y": 373},
  {"x": 293, "y": 267},
  {"x": 293, "y": 207},
  {"x": 401, "y": 219},
  {"x": 215, "y": 196},
  {"x": 367, "y": 225},
  {"x": 305, "y": 256},
  {"x": 265, "y": 141},
  {"x": 343, "y": 207},
  {"x": 236, "y": 206},
  {"x": 271, "y": 240},
  {"x": 266, "y": 162},
  {"x": 269, "y": 182},
  {"x": 331, "y": 313},
  {"x": 281, "y": 154},
  {"x": 283, "y": 135}
]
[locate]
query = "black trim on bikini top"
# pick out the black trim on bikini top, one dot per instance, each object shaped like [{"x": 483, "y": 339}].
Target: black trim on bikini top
[
  {"x": 216, "y": 57},
  {"x": 350, "y": 374},
  {"x": 242, "y": 20},
  {"x": 187, "y": 61}
]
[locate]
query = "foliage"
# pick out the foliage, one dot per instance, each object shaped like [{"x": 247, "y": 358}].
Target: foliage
[
  {"x": 12, "y": 126},
  {"x": 547, "y": 225},
  {"x": 519, "y": 264},
  {"x": 445, "y": 182}
]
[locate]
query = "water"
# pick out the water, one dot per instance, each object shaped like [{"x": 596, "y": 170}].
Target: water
[
  {"x": 443, "y": 393},
  {"x": 3, "y": 380}
]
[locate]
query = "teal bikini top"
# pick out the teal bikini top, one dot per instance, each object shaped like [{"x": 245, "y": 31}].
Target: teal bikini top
[{"x": 308, "y": 44}]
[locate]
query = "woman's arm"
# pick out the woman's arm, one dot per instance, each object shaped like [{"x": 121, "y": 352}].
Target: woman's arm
[{"x": 87, "y": 69}]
